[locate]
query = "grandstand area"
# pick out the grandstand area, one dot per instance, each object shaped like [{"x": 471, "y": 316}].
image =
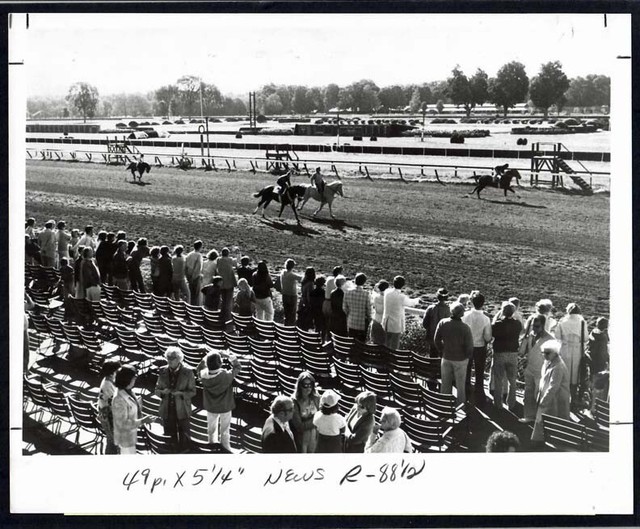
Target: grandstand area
[{"x": 547, "y": 244}]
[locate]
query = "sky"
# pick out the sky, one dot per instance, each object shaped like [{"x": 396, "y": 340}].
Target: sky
[{"x": 242, "y": 52}]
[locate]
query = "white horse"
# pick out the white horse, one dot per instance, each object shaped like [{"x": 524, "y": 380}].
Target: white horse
[{"x": 330, "y": 191}]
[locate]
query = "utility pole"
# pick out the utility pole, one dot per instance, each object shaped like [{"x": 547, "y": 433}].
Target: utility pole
[{"x": 338, "y": 127}]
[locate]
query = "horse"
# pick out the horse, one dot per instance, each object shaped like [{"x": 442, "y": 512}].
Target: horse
[
  {"x": 141, "y": 167},
  {"x": 330, "y": 191},
  {"x": 268, "y": 194},
  {"x": 503, "y": 181}
]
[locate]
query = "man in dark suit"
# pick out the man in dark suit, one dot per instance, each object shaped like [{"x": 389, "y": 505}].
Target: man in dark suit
[
  {"x": 176, "y": 387},
  {"x": 277, "y": 437}
]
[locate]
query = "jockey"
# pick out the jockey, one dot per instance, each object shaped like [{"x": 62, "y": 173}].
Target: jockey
[
  {"x": 284, "y": 183},
  {"x": 499, "y": 173},
  {"x": 317, "y": 180}
]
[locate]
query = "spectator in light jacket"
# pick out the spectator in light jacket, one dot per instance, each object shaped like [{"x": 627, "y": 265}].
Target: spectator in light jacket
[{"x": 393, "y": 321}]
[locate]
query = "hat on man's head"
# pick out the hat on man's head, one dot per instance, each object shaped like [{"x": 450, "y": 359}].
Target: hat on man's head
[
  {"x": 550, "y": 346},
  {"x": 457, "y": 309},
  {"x": 329, "y": 399},
  {"x": 508, "y": 309},
  {"x": 442, "y": 293}
]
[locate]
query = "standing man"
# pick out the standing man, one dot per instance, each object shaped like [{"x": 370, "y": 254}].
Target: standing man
[
  {"x": 225, "y": 268},
  {"x": 277, "y": 437},
  {"x": 176, "y": 386},
  {"x": 135, "y": 259},
  {"x": 47, "y": 243},
  {"x": 454, "y": 342},
  {"x": 506, "y": 334},
  {"x": 553, "y": 392},
  {"x": 317, "y": 180},
  {"x": 119, "y": 269},
  {"x": 357, "y": 306},
  {"x": 480, "y": 326},
  {"x": 90, "y": 276},
  {"x": 435, "y": 312},
  {"x": 393, "y": 321},
  {"x": 62, "y": 241},
  {"x": 289, "y": 289},
  {"x": 193, "y": 272},
  {"x": 532, "y": 352},
  {"x": 87, "y": 239}
]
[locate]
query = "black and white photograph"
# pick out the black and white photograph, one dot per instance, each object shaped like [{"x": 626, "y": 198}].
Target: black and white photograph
[{"x": 342, "y": 257}]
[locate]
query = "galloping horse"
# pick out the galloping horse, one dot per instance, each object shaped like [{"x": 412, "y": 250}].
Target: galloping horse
[
  {"x": 330, "y": 191},
  {"x": 141, "y": 167},
  {"x": 503, "y": 181},
  {"x": 268, "y": 194}
]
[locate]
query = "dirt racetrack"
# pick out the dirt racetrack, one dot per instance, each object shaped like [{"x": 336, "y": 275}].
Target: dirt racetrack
[{"x": 548, "y": 244}]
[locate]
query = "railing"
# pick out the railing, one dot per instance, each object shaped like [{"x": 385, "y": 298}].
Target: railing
[{"x": 563, "y": 146}]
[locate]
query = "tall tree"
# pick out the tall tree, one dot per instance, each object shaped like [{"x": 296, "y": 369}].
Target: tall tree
[
  {"x": 364, "y": 96},
  {"x": 414, "y": 104},
  {"x": 300, "y": 103},
  {"x": 592, "y": 90},
  {"x": 479, "y": 85},
  {"x": 84, "y": 98},
  {"x": 166, "y": 101},
  {"x": 509, "y": 86},
  {"x": 459, "y": 91},
  {"x": 548, "y": 87},
  {"x": 331, "y": 96},
  {"x": 189, "y": 94}
]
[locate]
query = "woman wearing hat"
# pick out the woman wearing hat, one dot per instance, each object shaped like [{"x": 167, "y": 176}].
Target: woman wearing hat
[
  {"x": 330, "y": 424},
  {"x": 572, "y": 333}
]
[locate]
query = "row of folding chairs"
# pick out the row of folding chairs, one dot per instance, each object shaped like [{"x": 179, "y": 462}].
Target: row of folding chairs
[
  {"x": 567, "y": 435},
  {"x": 43, "y": 275}
]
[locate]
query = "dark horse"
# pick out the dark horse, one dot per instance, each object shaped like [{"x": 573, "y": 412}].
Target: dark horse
[
  {"x": 502, "y": 180},
  {"x": 268, "y": 194},
  {"x": 141, "y": 167}
]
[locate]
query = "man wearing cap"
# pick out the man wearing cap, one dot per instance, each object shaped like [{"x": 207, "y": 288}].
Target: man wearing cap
[
  {"x": 506, "y": 334},
  {"x": 435, "y": 312},
  {"x": 47, "y": 243},
  {"x": 554, "y": 391},
  {"x": 277, "y": 437},
  {"x": 530, "y": 349},
  {"x": 393, "y": 321},
  {"x": 480, "y": 326},
  {"x": 454, "y": 342},
  {"x": 176, "y": 386},
  {"x": 357, "y": 306}
]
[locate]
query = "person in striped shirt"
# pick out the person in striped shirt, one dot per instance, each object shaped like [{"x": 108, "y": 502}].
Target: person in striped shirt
[{"x": 357, "y": 306}]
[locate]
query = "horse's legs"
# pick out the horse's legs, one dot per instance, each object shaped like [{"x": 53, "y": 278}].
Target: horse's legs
[
  {"x": 318, "y": 210},
  {"x": 330, "y": 211},
  {"x": 304, "y": 201}
]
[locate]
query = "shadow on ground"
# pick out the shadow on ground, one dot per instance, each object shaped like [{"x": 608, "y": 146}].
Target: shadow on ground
[{"x": 336, "y": 224}]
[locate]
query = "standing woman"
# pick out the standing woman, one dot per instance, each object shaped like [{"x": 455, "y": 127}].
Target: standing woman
[
  {"x": 360, "y": 422},
  {"x": 90, "y": 276},
  {"x": 306, "y": 402},
  {"x": 571, "y": 331},
  {"x": 304, "y": 308},
  {"x": 262, "y": 285},
  {"x": 165, "y": 269},
  {"x": 154, "y": 257},
  {"x": 179, "y": 285},
  {"x": 316, "y": 297},
  {"x": 245, "y": 299},
  {"x": 105, "y": 397},
  {"x": 378, "y": 335},
  {"x": 126, "y": 408},
  {"x": 77, "y": 273},
  {"x": 330, "y": 424},
  {"x": 338, "y": 317},
  {"x": 209, "y": 267}
]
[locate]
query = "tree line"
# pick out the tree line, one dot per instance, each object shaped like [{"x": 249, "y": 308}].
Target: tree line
[{"x": 549, "y": 90}]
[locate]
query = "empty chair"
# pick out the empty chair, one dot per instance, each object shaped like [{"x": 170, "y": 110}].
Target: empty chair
[
  {"x": 42, "y": 332},
  {"x": 212, "y": 319},
  {"x": 110, "y": 311},
  {"x": 109, "y": 292},
  {"x": 45, "y": 299},
  {"x": 427, "y": 369},
  {"x": 287, "y": 378},
  {"x": 162, "y": 304},
  {"x": 371, "y": 355},
  {"x": 164, "y": 341},
  {"x": 312, "y": 340},
  {"x": 266, "y": 330},
  {"x": 60, "y": 409},
  {"x": 191, "y": 332},
  {"x": 601, "y": 413},
  {"x": 128, "y": 316},
  {"x": 406, "y": 391},
  {"x": 401, "y": 360},
  {"x": 178, "y": 309},
  {"x": 78, "y": 310},
  {"x": 288, "y": 355},
  {"x": 57, "y": 332},
  {"x": 348, "y": 373},
  {"x": 436, "y": 405},
  {"x": 199, "y": 427},
  {"x": 286, "y": 333},
  {"x": 243, "y": 324},
  {"x": 93, "y": 341},
  {"x": 127, "y": 338},
  {"x": 342, "y": 346},
  {"x": 347, "y": 400},
  {"x": 425, "y": 434},
  {"x": 84, "y": 415},
  {"x": 266, "y": 378},
  {"x": 158, "y": 442},
  {"x": 251, "y": 440},
  {"x": 126, "y": 298},
  {"x": 262, "y": 349},
  {"x": 39, "y": 400},
  {"x": 193, "y": 353},
  {"x": 144, "y": 301},
  {"x": 376, "y": 381},
  {"x": 316, "y": 361},
  {"x": 195, "y": 314},
  {"x": 151, "y": 404},
  {"x": 72, "y": 334},
  {"x": 152, "y": 323},
  {"x": 214, "y": 338},
  {"x": 596, "y": 439},
  {"x": 239, "y": 345},
  {"x": 563, "y": 434},
  {"x": 96, "y": 311},
  {"x": 148, "y": 344},
  {"x": 172, "y": 327}
]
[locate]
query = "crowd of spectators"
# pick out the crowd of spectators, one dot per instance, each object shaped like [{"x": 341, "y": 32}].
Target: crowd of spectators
[{"x": 460, "y": 333}]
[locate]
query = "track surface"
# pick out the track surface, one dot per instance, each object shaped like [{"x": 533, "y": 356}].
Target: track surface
[{"x": 547, "y": 244}]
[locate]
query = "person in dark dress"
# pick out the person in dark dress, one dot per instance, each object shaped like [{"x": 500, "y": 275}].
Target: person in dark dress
[
  {"x": 165, "y": 269},
  {"x": 338, "y": 317}
]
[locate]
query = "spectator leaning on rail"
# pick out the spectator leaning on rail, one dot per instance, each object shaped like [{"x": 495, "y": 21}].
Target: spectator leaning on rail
[
  {"x": 357, "y": 306},
  {"x": 480, "y": 326},
  {"x": 193, "y": 272},
  {"x": 288, "y": 279},
  {"x": 572, "y": 333},
  {"x": 530, "y": 349},
  {"x": 454, "y": 341},
  {"x": 217, "y": 395},
  {"x": 393, "y": 320},
  {"x": 176, "y": 386},
  {"x": 435, "y": 312},
  {"x": 553, "y": 392},
  {"x": 506, "y": 334}
]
